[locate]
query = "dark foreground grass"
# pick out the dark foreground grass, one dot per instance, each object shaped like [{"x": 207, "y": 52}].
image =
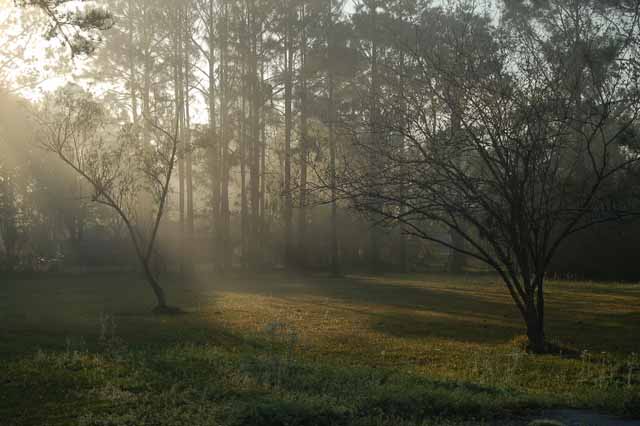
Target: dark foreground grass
[{"x": 282, "y": 350}]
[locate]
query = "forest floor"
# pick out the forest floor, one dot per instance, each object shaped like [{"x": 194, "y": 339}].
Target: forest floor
[{"x": 275, "y": 349}]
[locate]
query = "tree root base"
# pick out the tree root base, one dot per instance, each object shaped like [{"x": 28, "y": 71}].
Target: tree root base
[{"x": 168, "y": 310}]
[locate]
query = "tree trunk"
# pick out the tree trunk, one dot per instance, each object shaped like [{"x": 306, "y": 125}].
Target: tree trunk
[
  {"x": 374, "y": 237},
  {"x": 254, "y": 164},
  {"x": 304, "y": 156},
  {"x": 145, "y": 261},
  {"x": 262, "y": 166},
  {"x": 146, "y": 90},
  {"x": 529, "y": 298},
  {"x": 157, "y": 290},
  {"x": 225, "y": 220},
  {"x": 214, "y": 153},
  {"x": 132, "y": 71},
  {"x": 243, "y": 53},
  {"x": 179, "y": 110},
  {"x": 288, "y": 89},
  {"x": 187, "y": 144},
  {"x": 535, "y": 332},
  {"x": 457, "y": 260},
  {"x": 535, "y": 317},
  {"x": 243, "y": 168},
  {"x": 403, "y": 186},
  {"x": 335, "y": 260}
]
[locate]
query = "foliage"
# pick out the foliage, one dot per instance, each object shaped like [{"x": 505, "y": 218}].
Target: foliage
[{"x": 79, "y": 28}]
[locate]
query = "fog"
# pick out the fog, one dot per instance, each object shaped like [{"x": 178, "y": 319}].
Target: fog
[
  {"x": 319, "y": 212},
  {"x": 184, "y": 144}
]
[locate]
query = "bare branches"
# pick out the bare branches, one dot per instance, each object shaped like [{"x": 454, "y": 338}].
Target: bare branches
[
  {"x": 116, "y": 162},
  {"x": 507, "y": 137}
]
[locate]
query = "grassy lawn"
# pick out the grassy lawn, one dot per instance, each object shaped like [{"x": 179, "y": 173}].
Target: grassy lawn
[{"x": 287, "y": 350}]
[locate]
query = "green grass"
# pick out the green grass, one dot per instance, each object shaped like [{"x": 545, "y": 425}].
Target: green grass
[{"x": 291, "y": 350}]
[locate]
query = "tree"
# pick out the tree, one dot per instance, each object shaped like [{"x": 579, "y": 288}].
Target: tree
[
  {"x": 378, "y": 55},
  {"x": 118, "y": 165},
  {"x": 289, "y": 57},
  {"x": 335, "y": 36},
  {"x": 539, "y": 139},
  {"x": 304, "y": 133},
  {"x": 79, "y": 29},
  {"x": 331, "y": 118},
  {"x": 208, "y": 14}
]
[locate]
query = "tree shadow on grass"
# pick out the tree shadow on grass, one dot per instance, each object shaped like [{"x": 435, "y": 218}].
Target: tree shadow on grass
[
  {"x": 419, "y": 326},
  {"x": 183, "y": 381},
  {"x": 47, "y": 311},
  {"x": 44, "y": 312},
  {"x": 401, "y": 310},
  {"x": 277, "y": 391},
  {"x": 460, "y": 311}
]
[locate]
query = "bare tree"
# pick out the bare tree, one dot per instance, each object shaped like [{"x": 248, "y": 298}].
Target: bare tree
[
  {"x": 118, "y": 165},
  {"x": 538, "y": 144}
]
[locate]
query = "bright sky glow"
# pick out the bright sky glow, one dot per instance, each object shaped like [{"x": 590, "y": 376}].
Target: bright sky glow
[{"x": 30, "y": 65}]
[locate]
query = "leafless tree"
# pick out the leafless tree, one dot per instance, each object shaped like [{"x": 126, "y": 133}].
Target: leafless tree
[
  {"x": 126, "y": 174},
  {"x": 546, "y": 109}
]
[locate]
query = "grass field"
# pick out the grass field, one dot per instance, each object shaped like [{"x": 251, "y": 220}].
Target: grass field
[{"x": 291, "y": 350}]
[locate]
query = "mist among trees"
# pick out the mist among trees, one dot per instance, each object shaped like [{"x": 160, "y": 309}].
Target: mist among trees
[
  {"x": 332, "y": 212},
  {"x": 191, "y": 141}
]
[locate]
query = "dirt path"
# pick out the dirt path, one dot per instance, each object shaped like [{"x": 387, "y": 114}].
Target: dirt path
[{"x": 581, "y": 418}]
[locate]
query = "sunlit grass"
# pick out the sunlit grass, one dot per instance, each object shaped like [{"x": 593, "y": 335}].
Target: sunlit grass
[{"x": 359, "y": 350}]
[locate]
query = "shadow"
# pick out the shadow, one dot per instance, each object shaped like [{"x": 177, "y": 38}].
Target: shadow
[
  {"x": 472, "y": 308},
  {"x": 416, "y": 326},
  {"x": 45, "y": 312},
  {"x": 469, "y": 308},
  {"x": 395, "y": 307},
  {"x": 327, "y": 393}
]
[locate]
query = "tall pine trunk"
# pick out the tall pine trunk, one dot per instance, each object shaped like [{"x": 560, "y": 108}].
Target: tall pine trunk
[
  {"x": 179, "y": 110},
  {"x": 374, "y": 236},
  {"x": 133, "y": 84},
  {"x": 189, "y": 252},
  {"x": 304, "y": 145},
  {"x": 335, "y": 260},
  {"x": 403, "y": 155},
  {"x": 243, "y": 169},
  {"x": 288, "y": 89},
  {"x": 215, "y": 158},
  {"x": 224, "y": 228},
  {"x": 263, "y": 160},
  {"x": 254, "y": 163}
]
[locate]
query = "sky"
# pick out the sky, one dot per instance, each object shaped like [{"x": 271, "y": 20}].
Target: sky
[
  {"x": 27, "y": 60},
  {"x": 42, "y": 56}
]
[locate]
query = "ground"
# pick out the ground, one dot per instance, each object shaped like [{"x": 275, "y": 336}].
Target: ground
[{"x": 275, "y": 349}]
